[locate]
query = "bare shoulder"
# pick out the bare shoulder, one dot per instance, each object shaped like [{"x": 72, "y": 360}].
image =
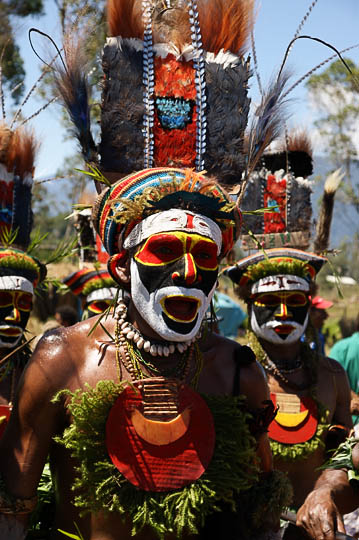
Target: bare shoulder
[
  {"x": 58, "y": 355},
  {"x": 331, "y": 365},
  {"x": 252, "y": 379}
]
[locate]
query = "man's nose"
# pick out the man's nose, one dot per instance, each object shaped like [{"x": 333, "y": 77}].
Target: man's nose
[
  {"x": 189, "y": 273},
  {"x": 282, "y": 313},
  {"x": 14, "y": 315}
]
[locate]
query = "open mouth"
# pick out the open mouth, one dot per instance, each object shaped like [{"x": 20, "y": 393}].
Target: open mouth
[
  {"x": 284, "y": 329},
  {"x": 10, "y": 331},
  {"x": 181, "y": 308}
]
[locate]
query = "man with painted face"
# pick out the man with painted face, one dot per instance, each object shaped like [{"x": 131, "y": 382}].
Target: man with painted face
[
  {"x": 149, "y": 401},
  {"x": 20, "y": 273},
  {"x": 94, "y": 287},
  {"x": 310, "y": 391}
]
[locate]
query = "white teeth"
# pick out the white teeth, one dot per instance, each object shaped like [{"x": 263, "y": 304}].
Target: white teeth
[
  {"x": 140, "y": 343},
  {"x": 159, "y": 350},
  {"x": 153, "y": 350},
  {"x": 172, "y": 348},
  {"x": 124, "y": 325},
  {"x": 180, "y": 347},
  {"x": 166, "y": 351},
  {"x": 126, "y": 330},
  {"x": 130, "y": 334},
  {"x": 136, "y": 338},
  {"x": 147, "y": 346}
]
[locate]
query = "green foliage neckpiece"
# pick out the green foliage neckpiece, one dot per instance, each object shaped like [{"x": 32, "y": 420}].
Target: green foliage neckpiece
[{"x": 232, "y": 473}]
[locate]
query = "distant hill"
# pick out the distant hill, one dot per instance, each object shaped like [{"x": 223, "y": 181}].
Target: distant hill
[{"x": 345, "y": 218}]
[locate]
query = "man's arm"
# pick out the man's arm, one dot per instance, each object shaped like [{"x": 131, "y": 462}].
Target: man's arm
[
  {"x": 321, "y": 514},
  {"x": 34, "y": 420},
  {"x": 254, "y": 386},
  {"x": 332, "y": 496}
]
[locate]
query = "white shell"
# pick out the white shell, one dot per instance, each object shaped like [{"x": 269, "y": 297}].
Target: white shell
[
  {"x": 130, "y": 334},
  {"x": 140, "y": 343},
  {"x": 124, "y": 325},
  {"x": 136, "y": 337},
  {"x": 126, "y": 330}
]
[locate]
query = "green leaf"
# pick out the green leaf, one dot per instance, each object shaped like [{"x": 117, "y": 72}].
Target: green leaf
[{"x": 74, "y": 536}]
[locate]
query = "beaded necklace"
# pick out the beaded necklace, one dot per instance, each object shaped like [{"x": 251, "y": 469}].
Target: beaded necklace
[
  {"x": 135, "y": 363},
  {"x": 307, "y": 356}
]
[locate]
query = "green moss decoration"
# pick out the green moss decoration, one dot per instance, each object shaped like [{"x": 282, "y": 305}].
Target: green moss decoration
[
  {"x": 272, "y": 267},
  {"x": 95, "y": 284},
  {"x": 101, "y": 487},
  {"x": 23, "y": 262},
  {"x": 342, "y": 459},
  {"x": 299, "y": 451}
]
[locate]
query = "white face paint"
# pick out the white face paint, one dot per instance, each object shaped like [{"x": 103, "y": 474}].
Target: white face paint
[
  {"x": 174, "y": 220},
  {"x": 280, "y": 308},
  {"x": 267, "y": 331},
  {"x": 152, "y": 307},
  {"x": 15, "y": 340}
]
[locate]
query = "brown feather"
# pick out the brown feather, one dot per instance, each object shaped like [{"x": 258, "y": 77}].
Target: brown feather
[
  {"x": 299, "y": 141},
  {"x": 124, "y": 18},
  {"x": 18, "y": 150},
  {"x": 172, "y": 26},
  {"x": 226, "y": 24}
]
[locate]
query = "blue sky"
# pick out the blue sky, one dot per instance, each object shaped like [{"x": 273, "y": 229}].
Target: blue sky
[{"x": 277, "y": 21}]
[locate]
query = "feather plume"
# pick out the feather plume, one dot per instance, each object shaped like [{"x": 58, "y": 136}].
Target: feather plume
[
  {"x": 299, "y": 141},
  {"x": 17, "y": 150},
  {"x": 226, "y": 24},
  {"x": 266, "y": 125},
  {"x": 124, "y": 18},
  {"x": 321, "y": 242},
  {"x": 71, "y": 82}
]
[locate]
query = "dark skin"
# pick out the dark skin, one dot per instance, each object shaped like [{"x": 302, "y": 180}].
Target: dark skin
[
  {"x": 12, "y": 315},
  {"x": 69, "y": 358},
  {"x": 333, "y": 392}
]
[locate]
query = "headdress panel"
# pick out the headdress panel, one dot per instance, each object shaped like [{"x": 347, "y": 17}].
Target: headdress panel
[
  {"x": 17, "y": 156},
  {"x": 175, "y": 87},
  {"x": 18, "y": 270},
  {"x": 280, "y": 183}
]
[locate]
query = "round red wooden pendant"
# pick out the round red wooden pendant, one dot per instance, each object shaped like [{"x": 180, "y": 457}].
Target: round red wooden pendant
[
  {"x": 5, "y": 411},
  {"x": 140, "y": 450},
  {"x": 291, "y": 427}
]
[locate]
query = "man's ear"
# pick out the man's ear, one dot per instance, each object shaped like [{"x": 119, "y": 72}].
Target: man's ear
[{"x": 119, "y": 268}]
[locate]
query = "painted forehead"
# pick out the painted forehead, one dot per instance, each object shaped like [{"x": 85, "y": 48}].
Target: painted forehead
[
  {"x": 280, "y": 282},
  {"x": 16, "y": 283},
  {"x": 174, "y": 220}
]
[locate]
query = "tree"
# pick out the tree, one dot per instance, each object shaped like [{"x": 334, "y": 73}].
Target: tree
[
  {"x": 12, "y": 65},
  {"x": 335, "y": 93}
]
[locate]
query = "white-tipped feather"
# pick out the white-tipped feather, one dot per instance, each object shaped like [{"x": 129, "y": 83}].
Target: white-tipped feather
[{"x": 333, "y": 181}]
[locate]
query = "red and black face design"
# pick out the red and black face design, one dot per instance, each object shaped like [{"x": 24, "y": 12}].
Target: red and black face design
[
  {"x": 15, "y": 307},
  {"x": 280, "y": 316},
  {"x": 173, "y": 277}
]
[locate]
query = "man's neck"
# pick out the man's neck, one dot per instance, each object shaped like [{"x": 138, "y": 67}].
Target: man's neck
[{"x": 282, "y": 355}]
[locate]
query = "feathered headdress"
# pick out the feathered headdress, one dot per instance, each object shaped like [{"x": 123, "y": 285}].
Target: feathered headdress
[
  {"x": 18, "y": 270},
  {"x": 87, "y": 280},
  {"x": 280, "y": 183},
  {"x": 174, "y": 90},
  {"x": 275, "y": 262}
]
